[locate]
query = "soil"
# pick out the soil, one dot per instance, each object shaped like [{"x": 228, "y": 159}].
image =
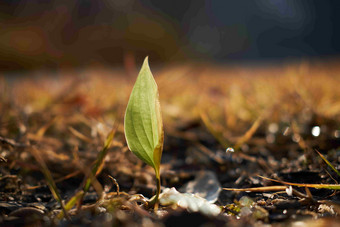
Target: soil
[{"x": 274, "y": 118}]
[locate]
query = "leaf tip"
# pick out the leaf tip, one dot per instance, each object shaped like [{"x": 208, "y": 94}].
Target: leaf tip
[{"x": 146, "y": 62}]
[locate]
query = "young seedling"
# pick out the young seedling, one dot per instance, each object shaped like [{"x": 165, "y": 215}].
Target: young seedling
[{"x": 143, "y": 123}]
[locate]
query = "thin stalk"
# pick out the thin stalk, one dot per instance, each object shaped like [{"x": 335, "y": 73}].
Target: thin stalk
[
  {"x": 317, "y": 186},
  {"x": 49, "y": 179},
  {"x": 328, "y": 163},
  {"x": 154, "y": 200},
  {"x": 158, "y": 190},
  {"x": 100, "y": 159}
]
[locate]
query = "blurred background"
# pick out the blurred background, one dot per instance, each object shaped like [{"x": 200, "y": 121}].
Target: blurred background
[{"x": 53, "y": 34}]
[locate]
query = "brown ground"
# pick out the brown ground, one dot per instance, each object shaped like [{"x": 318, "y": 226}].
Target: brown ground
[{"x": 268, "y": 114}]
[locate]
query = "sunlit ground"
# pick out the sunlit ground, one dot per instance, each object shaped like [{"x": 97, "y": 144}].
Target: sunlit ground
[{"x": 276, "y": 113}]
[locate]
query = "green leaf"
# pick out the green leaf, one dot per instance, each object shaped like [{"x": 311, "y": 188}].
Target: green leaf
[{"x": 143, "y": 122}]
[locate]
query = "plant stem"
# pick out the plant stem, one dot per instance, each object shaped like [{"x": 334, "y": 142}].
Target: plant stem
[
  {"x": 158, "y": 179},
  {"x": 154, "y": 199}
]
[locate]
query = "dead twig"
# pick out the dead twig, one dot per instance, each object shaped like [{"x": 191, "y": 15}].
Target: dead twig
[{"x": 11, "y": 142}]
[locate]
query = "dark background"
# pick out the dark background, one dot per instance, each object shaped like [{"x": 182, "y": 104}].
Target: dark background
[{"x": 65, "y": 33}]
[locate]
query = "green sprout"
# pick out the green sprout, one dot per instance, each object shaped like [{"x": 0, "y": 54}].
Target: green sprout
[{"x": 143, "y": 123}]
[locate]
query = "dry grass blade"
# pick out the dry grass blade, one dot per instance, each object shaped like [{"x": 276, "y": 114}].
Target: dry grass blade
[
  {"x": 43, "y": 129},
  {"x": 218, "y": 135},
  {"x": 268, "y": 189},
  {"x": 11, "y": 142},
  {"x": 79, "y": 135},
  {"x": 3, "y": 159},
  {"x": 249, "y": 133},
  {"x": 95, "y": 169},
  {"x": 328, "y": 163},
  {"x": 114, "y": 181},
  {"x": 78, "y": 197},
  {"x": 225, "y": 142},
  {"x": 317, "y": 186},
  {"x": 71, "y": 203},
  {"x": 221, "y": 139},
  {"x": 296, "y": 130},
  {"x": 100, "y": 159},
  {"x": 49, "y": 179},
  {"x": 96, "y": 185},
  {"x": 258, "y": 189}
]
